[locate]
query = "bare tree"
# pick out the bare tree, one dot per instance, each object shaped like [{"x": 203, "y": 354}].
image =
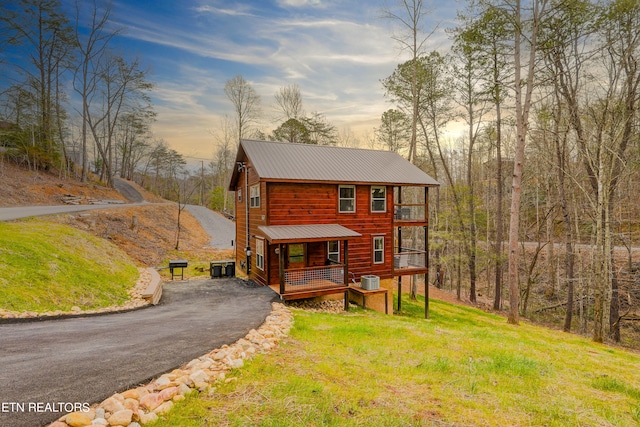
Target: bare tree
[
  {"x": 246, "y": 104},
  {"x": 523, "y": 89},
  {"x": 564, "y": 39},
  {"x": 92, "y": 45},
  {"x": 410, "y": 16},
  {"x": 289, "y": 103},
  {"x": 224, "y": 155},
  {"x": 44, "y": 33},
  {"x": 123, "y": 89}
]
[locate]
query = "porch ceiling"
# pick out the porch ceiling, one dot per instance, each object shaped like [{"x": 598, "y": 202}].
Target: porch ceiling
[{"x": 306, "y": 233}]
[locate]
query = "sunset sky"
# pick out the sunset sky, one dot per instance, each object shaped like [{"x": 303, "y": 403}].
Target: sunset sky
[{"x": 336, "y": 51}]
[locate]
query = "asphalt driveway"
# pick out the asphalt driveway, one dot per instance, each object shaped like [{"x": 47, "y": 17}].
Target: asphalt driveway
[
  {"x": 88, "y": 359},
  {"x": 221, "y": 230}
]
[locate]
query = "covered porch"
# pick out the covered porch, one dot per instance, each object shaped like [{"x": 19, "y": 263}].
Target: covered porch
[{"x": 306, "y": 261}]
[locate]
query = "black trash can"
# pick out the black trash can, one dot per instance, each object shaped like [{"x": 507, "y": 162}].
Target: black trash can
[
  {"x": 216, "y": 270},
  {"x": 230, "y": 269}
]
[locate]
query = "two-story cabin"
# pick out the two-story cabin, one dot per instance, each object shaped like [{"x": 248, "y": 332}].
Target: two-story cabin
[{"x": 312, "y": 219}]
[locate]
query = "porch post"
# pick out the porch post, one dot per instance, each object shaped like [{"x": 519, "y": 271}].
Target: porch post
[
  {"x": 346, "y": 262},
  {"x": 281, "y": 266},
  {"x": 399, "y": 250},
  {"x": 426, "y": 253}
]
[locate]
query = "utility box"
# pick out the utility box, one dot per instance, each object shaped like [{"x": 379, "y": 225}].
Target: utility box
[{"x": 370, "y": 282}]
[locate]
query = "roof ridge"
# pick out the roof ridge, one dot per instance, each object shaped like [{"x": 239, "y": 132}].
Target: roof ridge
[{"x": 318, "y": 145}]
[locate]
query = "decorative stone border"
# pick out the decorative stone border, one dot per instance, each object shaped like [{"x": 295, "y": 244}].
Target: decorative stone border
[{"x": 143, "y": 405}]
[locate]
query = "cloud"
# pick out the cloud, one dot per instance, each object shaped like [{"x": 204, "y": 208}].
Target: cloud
[
  {"x": 241, "y": 11},
  {"x": 336, "y": 53},
  {"x": 301, "y": 3}
]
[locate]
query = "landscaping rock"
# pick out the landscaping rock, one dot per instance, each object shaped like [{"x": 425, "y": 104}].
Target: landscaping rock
[
  {"x": 77, "y": 419},
  {"x": 142, "y": 405},
  {"x": 151, "y": 401},
  {"x": 121, "y": 418}
]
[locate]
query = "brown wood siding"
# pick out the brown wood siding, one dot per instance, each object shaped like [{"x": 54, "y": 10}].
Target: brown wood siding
[
  {"x": 257, "y": 217},
  {"x": 299, "y": 204},
  {"x": 241, "y": 241}
]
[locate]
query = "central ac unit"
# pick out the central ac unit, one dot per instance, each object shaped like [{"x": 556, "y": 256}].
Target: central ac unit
[{"x": 370, "y": 282}]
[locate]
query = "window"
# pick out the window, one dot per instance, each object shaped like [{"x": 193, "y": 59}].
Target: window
[
  {"x": 378, "y": 199},
  {"x": 347, "y": 196},
  {"x": 255, "y": 196},
  {"x": 333, "y": 250},
  {"x": 296, "y": 255},
  {"x": 260, "y": 254},
  {"x": 378, "y": 250}
]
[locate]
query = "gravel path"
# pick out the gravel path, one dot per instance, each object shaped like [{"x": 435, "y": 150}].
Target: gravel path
[{"x": 221, "y": 230}]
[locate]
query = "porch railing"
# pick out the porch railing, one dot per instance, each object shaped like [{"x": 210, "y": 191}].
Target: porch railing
[
  {"x": 409, "y": 212},
  {"x": 409, "y": 258},
  {"x": 312, "y": 278}
]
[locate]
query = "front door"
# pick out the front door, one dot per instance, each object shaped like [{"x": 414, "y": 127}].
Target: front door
[{"x": 296, "y": 256}]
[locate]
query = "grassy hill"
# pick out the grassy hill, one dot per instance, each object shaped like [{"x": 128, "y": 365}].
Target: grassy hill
[
  {"x": 89, "y": 260},
  {"x": 462, "y": 367},
  {"x": 47, "y": 267}
]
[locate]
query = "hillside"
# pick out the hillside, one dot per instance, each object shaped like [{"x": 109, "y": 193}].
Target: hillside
[
  {"x": 146, "y": 233},
  {"x": 462, "y": 367},
  {"x": 49, "y": 267},
  {"x": 21, "y": 187}
]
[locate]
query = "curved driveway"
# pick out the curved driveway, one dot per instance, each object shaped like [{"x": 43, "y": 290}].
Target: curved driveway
[{"x": 88, "y": 359}]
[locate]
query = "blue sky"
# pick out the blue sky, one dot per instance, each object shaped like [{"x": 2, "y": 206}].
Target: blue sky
[{"x": 336, "y": 51}]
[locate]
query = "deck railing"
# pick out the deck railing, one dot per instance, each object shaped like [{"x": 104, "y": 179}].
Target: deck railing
[
  {"x": 312, "y": 278},
  {"x": 409, "y": 212},
  {"x": 409, "y": 258}
]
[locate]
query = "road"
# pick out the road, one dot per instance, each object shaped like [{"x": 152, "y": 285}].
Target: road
[
  {"x": 7, "y": 214},
  {"x": 127, "y": 190},
  {"x": 221, "y": 230},
  {"x": 88, "y": 359}
]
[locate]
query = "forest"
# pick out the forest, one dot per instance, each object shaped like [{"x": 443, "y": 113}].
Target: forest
[{"x": 528, "y": 119}]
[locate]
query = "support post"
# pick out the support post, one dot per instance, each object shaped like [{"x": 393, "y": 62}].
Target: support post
[
  {"x": 426, "y": 275},
  {"x": 399, "y": 250},
  {"x": 426, "y": 252},
  {"x": 346, "y": 262},
  {"x": 281, "y": 266}
]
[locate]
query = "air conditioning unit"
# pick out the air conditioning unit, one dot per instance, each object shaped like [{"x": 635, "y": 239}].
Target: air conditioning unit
[{"x": 370, "y": 282}]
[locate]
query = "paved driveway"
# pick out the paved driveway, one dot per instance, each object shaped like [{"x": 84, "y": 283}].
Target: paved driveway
[
  {"x": 221, "y": 229},
  {"x": 88, "y": 359}
]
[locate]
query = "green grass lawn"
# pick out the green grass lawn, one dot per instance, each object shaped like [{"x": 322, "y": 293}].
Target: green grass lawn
[
  {"x": 461, "y": 367},
  {"x": 47, "y": 267}
]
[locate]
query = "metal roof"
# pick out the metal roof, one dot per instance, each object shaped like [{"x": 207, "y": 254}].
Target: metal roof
[
  {"x": 282, "y": 161},
  {"x": 306, "y": 233}
]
